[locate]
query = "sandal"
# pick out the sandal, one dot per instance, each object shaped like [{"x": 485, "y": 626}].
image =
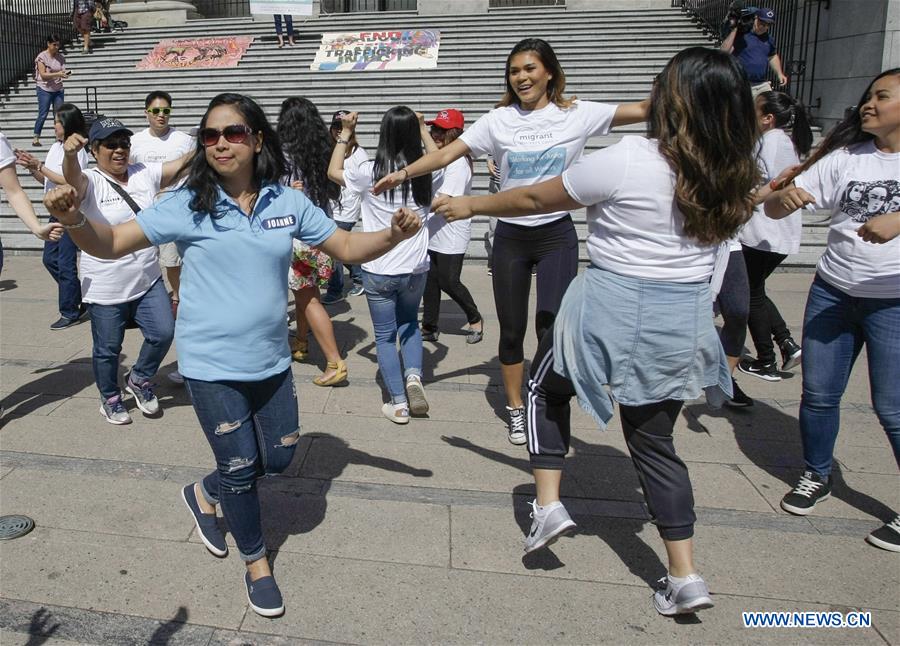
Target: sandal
[
  {"x": 299, "y": 349},
  {"x": 339, "y": 376}
]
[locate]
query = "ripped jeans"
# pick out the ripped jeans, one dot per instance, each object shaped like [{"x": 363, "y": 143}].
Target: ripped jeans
[{"x": 253, "y": 428}]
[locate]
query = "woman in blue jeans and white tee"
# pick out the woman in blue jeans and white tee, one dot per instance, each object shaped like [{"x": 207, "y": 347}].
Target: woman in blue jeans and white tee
[
  {"x": 395, "y": 282},
  {"x": 233, "y": 224},
  {"x": 855, "y": 297}
]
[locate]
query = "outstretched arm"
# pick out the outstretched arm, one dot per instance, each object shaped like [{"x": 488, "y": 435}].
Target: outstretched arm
[
  {"x": 22, "y": 207},
  {"x": 96, "y": 238},
  {"x": 628, "y": 113},
  {"x": 545, "y": 197},
  {"x": 174, "y": 169},
  {"x": 71, "y": 166},
  {"x": 357, "y": 248},
  {"x": 423, "y": 165}
]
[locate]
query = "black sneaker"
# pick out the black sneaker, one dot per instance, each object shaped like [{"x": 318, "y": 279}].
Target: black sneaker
[
  {"x": 790, "y": 354},
  {"x": 739, "y": 399},
  {"x": 811, "y": 489},
  {"x": 430, "y": 335},
  {"x": 887, "y": 537},
  {"x": 62, "y": 323},
  {"x": 755, "y": 367},
  {"x": 516, "y": 429}
]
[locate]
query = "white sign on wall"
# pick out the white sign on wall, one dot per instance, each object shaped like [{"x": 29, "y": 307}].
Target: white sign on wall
[{"x": 289, "y": 7}]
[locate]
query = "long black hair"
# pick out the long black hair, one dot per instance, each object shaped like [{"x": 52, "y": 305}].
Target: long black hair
[
  {"x": 307, "y": 147},
  {"x": 789, "y": 114},
  {"x": 72, "y": 120},
  {"x": 702, "y": 113},
  {"x": 268, "y": 164},
  {"x": 849, "y": 131},
  {"x": 399, "y": 145},
  {"x": 555, "y": 86}
]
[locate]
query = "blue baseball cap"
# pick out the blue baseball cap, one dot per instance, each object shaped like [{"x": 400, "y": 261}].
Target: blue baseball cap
[
  {"x": 103, "y": 127},
  {"x": 765, "y": 14}
]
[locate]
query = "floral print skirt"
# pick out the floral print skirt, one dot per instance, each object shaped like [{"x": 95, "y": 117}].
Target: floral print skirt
[{"x": 309, "y": 267}]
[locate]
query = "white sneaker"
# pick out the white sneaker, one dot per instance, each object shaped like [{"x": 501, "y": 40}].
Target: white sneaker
[
  {"x": 689, "y": 594},
  {"x": 415, "y": 391},
  {"x": 548, "y": 523},
  {"x": 396, "y": 415}
]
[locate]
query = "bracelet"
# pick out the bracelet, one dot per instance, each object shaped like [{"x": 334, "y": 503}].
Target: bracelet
[
  {"x": 406, "y": 177},
  {"x": 341, "y": 141},
  {"x": 78, "y": 224},
  {"x": 774, "y": 184}
]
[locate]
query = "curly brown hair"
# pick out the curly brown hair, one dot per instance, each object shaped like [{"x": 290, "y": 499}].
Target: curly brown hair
[{"x": 702, "y": 114}]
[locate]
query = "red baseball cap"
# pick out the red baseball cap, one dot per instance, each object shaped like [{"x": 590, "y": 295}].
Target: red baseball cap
[{"x": 447, "y": 119}]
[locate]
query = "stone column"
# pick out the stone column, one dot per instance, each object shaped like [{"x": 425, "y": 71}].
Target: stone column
[
  {"x": 446, "y": 7},
  {"x": 153, "y": 13}
]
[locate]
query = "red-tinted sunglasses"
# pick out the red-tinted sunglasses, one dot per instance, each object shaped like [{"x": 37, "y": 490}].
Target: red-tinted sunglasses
[{"x": 236, "y": 134}]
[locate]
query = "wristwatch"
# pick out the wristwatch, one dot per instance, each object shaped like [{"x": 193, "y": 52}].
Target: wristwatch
[{"x": 341, "y": 141}]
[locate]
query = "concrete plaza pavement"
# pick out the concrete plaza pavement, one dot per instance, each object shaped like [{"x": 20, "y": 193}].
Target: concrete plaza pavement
[{"x": 388, "y": 534}]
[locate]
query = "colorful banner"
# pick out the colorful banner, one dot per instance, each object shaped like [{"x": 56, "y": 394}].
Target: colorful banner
[
  {"x": 411, "y": 49},
  {"x": 289, "y": 7},
  {"x": 196, "y": 53}
]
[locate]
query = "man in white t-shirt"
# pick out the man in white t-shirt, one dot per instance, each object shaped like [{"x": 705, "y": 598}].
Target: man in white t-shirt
[{"x": 157, "y": 144}]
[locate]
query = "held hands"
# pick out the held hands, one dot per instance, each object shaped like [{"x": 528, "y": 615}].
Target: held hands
[
  {"x": 421, "y": 117},
  {"x": 297, "y": 184},
  {"x": 74, "y": 143},
  {"x": 795, "y": 198},
  {"x": 453, "y": 208},
  {"x": 27, "y": 161},
  {"x": 52, "y": 232},
  {"x": 62, "y": 203},
  {"x": 880, "y": 229},
  {"x": 404, "y": 225},
  {"x": 786, "y": 176}
]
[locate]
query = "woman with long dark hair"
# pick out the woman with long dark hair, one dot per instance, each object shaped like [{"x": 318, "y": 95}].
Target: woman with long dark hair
[
  {"x": 854, "y": 300},
  {"x": 394, "y": 283},
  {"x": 766, "y": 242},
  {"x": 307, "y": 151},
  {"x": 658, "y": 210},
  {"x": 60, "y": 256},
  {"x": 233, "y": 223},
  {"x": 534, "y": 133}
]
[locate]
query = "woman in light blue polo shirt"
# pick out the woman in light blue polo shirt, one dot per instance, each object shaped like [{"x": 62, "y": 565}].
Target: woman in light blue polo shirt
[{"x": 233, "y": 224}]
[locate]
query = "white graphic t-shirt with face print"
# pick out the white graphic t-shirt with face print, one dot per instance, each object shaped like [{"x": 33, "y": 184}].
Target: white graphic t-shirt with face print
[{"x": 857, "y": 183}]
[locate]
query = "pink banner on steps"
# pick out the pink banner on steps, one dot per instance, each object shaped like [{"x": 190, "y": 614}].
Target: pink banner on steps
[{"x": 196, "y": 53}]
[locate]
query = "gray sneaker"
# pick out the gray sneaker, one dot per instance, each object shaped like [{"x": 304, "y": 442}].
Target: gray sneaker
[
  {"x": 113, "y": 409},
  {"x": 143, "y": 395},
  {"x": 681, "y": 598},
  {"x": 548, "y": 523},
  {"x": 356, "y": 290}
]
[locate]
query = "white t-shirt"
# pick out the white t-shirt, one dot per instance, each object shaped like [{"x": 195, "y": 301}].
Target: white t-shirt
[
  {"x": 536, "y": 145},
  {"x": 7, "y": 156},
  {"x": 109, "y": 282},
  {"x": 149, "y": 149},
  {"x": 54, "y": 162},
  {"x": 451, "y": 237},
  {"x": 408, "y": 257},
  {"x": 857, "y": 183},
  {"x": 776, "y": 152},
  {"x": 349, "y": 208},
  {"x": 634, "y": 226}
]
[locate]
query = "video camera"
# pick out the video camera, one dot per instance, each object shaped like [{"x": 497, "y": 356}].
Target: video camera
[{"x": 738, "y": 17}]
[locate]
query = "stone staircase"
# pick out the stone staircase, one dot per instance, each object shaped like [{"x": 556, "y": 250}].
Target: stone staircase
[{"x": 609, "y": 56}]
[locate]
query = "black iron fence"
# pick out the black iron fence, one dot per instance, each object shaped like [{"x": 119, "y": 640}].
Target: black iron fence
[
  {"x": 24, "y": 27},
  {"x": 795, "y": 32},
  {"x": 510, "y": 4},
  {"x": 241, "y": 8}
]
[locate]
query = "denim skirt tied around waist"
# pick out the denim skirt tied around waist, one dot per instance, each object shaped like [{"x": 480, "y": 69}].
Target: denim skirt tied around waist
[{"x": 637, "y": 341}]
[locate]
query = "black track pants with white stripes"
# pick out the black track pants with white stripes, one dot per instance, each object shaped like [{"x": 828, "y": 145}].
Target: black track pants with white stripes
[{"x": 648, "y": 434}]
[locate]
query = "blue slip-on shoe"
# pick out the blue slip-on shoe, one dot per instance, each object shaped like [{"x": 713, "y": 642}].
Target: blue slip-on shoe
[
  {"x": 207, "y": 526},
  {"x": 264, "y": 596}
]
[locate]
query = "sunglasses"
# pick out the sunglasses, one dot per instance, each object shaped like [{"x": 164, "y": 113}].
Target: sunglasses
[
  {"x": 113, "y": 144},
  {"x": 165, "y": 111},
  {"x": 236, "y": 134}
]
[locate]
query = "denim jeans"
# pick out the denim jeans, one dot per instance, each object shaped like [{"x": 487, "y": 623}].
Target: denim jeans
[
  {"x": 252, "y": 428},
  {"x": 336, "y": 282},
  {"x": 835, "y": 327},
  {"x": 61, "y": 260},
  {"x": 394, "y": 308},
  {"x": 288, "y": 22},
  {"x": 45, "y": 100},
  {"x": 153, "y": 314}
]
